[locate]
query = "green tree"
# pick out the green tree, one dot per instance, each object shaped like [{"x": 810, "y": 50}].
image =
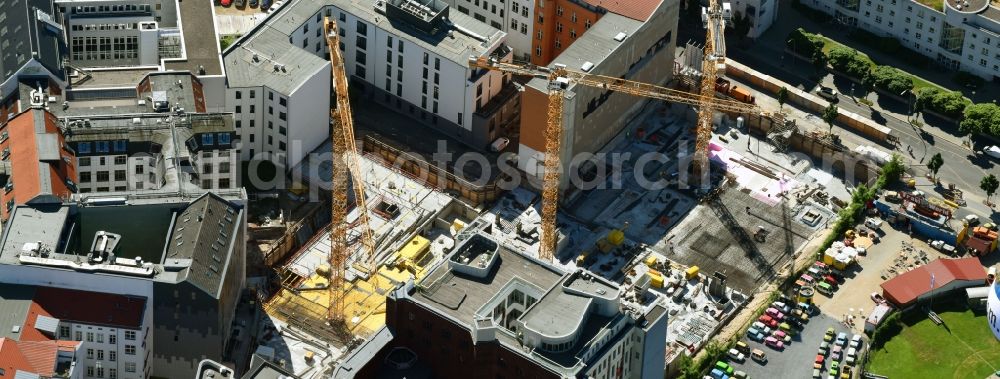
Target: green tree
[
  {"x": 981, "y": 118},
  {"x": 830, "y": 115},
  {"x": 891, "y": 79},
  {"x": 805, "y": 44},
  {"x": 935, "y": 163},
  {"x": 989, "y": 184},
  {"x": 947, "y": 103},
  {"x": 891, "y": 171},
  {"x": 782, "y": 97},
  {"x": 688, "y": 370},
  {"x": 849, "y": 62}
]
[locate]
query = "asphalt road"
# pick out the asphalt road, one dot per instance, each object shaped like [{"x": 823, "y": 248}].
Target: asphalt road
[{"x": 796, "y": 361}]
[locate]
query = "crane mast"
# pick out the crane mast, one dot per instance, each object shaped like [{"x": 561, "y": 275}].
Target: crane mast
[
  {"x": 346, "y": 168},
  {"x": 560, "y": 77},
  {"x": 714, "y": 57}
]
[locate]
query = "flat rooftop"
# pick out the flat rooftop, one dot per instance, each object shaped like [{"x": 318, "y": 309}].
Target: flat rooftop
[{"x": 201, "y": 43}]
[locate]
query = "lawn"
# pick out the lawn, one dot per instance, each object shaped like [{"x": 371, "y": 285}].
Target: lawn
[
  {"x": 918, "y": 82},
  {"x": 935, "y": 4},
  {"x": 926, "y": 350}
]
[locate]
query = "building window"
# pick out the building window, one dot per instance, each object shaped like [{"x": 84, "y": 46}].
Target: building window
[
  {"x": 239, "y": 95},
  {"x": 90, "y": 371},
  {"x": 129, "y": 366},
  {"x": 64, "y": 332},
  {"x": 130, "y": 335},
  {"x": 362, "y": 28},
  {"x": 282, "y": 116},
  {"x": 112, "y": 355},
  {"x": 78, "y": 336},
  {"x": 206, "y": 168},
  {"x": 90, "y": 353},
  {"x": 129, "y": 349},
  {"x": 119, "y": 160},
  {"x": 100, "y": 355},
  {"x": 113, "y": 339},
  {"x": 282, "y": 101},
  {"x": 112, "y": 373},
  {"x": 282, "y": 130},
  {"x": 84, "y": 161},
  {"x": 100, "y": 339},
  {"x": 84, "y": 178}
]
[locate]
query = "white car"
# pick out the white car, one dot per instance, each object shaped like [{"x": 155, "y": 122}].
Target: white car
[
  {"x": 856, "y": 341},
  {"x": 827, "y": 93},
  {"x": 993, "y": 151},
  {"x": 736, "y": 356}
]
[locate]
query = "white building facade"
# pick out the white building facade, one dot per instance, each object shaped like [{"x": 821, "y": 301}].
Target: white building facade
[
  {"x": 515, "y": 17},
  {"x": 112, "y": 352},
  {"x": 759, "y": 13},
  {"x": 121, "y": 33},
  {"x": 965, "y": 36}
]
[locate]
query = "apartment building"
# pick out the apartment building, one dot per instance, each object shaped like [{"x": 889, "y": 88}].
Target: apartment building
[
  {"x": 759, "y": 13},
  {"x": 121, "y": 33},
  {"x": 497, "y": 313},
  {"x": 32, "y": 46},
  {"x": 515, "y": 17},
  {"x": 616, "y": 45},
  {"x": 186, "y": 259},
  {"x": 34, "y": 161},
  {"x": 963, "y": 35},
  {"x": 412, "y": 60}
]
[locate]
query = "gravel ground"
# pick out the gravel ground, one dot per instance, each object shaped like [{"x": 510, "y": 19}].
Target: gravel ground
[
  {"x": 866, "y": 277},
  {"x": 796, "y": 361}
]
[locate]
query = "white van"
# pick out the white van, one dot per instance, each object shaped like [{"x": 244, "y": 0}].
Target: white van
[{"x": 873, "y": 223}]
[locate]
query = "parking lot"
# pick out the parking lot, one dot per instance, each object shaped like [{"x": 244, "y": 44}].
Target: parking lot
[{"x": 796, "y": 361}]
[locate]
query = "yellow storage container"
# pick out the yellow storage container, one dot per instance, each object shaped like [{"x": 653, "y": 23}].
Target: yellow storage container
[
  {"x": 616, "y": 237},
  {"x": 691, "y": 272},
  {"x": 655, "y": 280},
  {"x": 650, "y": 260}
]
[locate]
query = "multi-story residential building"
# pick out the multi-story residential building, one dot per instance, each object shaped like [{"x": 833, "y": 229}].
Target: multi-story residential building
[
  {"x": 35, "y": 162},
  {"x": 498, "y": 313},
  {"x": 414, "y": 60},
  {"x": 107, "y": 45},
  {"x": 32, "y": 46},
  {"x": 30, "y": 359},
  {"x": 759, "y": 13},
  {"x": 186, "y": 258},
  {"x": 617, "y": 46},
  {"x": 121, "y": 33},
  {"x": 558, "y": 23},
  {"x": 515, "y": 17},
  {"x": 963, "y": 35}
]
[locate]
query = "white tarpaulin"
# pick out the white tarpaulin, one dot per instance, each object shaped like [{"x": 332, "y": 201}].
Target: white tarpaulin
[{"x": 993, "y": 307}]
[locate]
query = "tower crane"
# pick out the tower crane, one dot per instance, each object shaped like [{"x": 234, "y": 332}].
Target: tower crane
[
  {"x": 345, "y": 167},
  {"x": 559, "y": 78}
]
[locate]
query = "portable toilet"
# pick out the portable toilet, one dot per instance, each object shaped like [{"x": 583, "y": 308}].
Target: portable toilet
[{"x": 655, "y": 279}]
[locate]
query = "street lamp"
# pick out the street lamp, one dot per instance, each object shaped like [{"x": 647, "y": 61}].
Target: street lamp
[{"x": 909, "y": 105}]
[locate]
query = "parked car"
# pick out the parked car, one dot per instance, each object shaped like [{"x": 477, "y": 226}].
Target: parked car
[
  {"x": 993, "y": 151},
  {"x": 829, "y": 279},
  {"x": 226, "y": 3},
  {"x": 842, "y": 339},
  {"x": 742, "y": 347},
  {"x": 834, "y": 368},
  {"x": 782, "y": 336},
  {"x": 758, "y": 355},
  {"x": 275, "y": 6},
  {"x": 827, "y": 93},
  {"x": 824, "y": 348},
  {"x": 878, "y": 299},
  {"x": 736, "y": 355},
  {"x": 755, "y": 335},
  {"x": 717, "y": 374},
  {"x": 241, "y": 3},
  {"x": 845, "y": 372},
  {"x": 740, "y": 375},
  {"x": 768, "y": 320},
  {"x": 254, "y": 3},
  {"x": 774, "y": 343},
  {"x": 856, "y": 341},
  {"x": 724, "y": 367},
  {"x": 819, "y": 360},
  {"x": 781, "y": 306},
  {"x": 829, "y": 335},
  {"x": 837, "y": 353},
  {"x": 852, "y": 355},
  {"x": 774, "y": 312},
  {"x": 817, "y": 373},
  {"x": 265, "y": 5}
]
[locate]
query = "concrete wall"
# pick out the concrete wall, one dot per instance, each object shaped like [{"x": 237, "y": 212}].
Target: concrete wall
[{"x": 809, "y": 102}]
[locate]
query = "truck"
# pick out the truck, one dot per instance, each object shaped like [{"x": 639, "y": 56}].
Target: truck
[{"x": 725, "y": 87}]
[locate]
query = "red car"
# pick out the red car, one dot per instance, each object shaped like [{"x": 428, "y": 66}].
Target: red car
[
  {"x": 831, "y": 280},
  {"x": 820, "y": 359},
  {"x": 226, "y": 3},
  {"x": 769, "y": 321}
]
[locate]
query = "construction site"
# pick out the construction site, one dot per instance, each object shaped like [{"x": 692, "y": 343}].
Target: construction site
[{"x": 706, "y": 248}]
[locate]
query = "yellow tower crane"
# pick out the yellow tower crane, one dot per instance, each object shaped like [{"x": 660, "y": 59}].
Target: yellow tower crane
[
  {"x": 560, "y": 78},
  {"x": 345, "y": 167}
]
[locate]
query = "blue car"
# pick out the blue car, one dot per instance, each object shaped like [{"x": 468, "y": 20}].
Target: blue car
[
  {"x": 755, "y": 334},
  {"x": 265, "y": 5}
]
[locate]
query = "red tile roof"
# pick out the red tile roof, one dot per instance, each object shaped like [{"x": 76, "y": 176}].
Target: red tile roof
[
  {"x": 85, "y": 307},
  {"x": 37, "y": 357},
  {"x": 907, "y": 287},
  {"x": 634, "y": 9},
  {"x": 26, "y": 168}
]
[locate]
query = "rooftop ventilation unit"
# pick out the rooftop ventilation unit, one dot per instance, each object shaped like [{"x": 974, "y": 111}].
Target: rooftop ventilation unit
[{"x": 620, "y": 36}]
